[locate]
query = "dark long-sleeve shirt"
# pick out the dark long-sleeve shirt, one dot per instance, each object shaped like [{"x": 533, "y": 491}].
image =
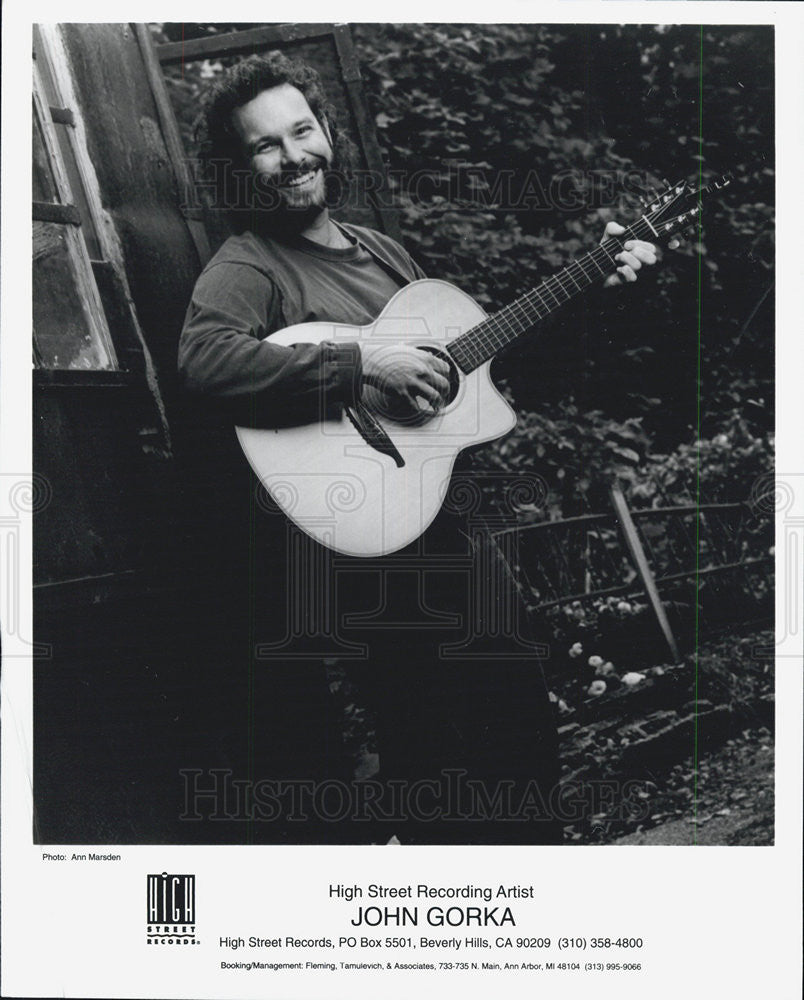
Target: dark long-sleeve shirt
[{"x": 253, "y": 287}]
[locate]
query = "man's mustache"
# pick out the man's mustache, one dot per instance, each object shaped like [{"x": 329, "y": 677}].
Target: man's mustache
[
  {"x": 286, "y": 176},
  {"x": 267, "y": 196}
]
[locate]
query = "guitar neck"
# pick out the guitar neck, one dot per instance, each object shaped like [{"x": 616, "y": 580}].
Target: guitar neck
[{"x": 478, "y": 345}]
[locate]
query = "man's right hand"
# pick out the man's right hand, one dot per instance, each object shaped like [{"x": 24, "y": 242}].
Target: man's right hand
[{"x": 412, "y": 380}]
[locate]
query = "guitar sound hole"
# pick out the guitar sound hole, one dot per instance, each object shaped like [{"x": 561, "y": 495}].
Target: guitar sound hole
[
  {"x": 388, "y": 409},
  {"x": 454, "y": 377}
]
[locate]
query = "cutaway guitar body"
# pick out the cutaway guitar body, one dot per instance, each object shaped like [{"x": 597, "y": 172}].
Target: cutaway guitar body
[
  {"x": 365, "y": 483},
  {"x": 342, "y": 490}
]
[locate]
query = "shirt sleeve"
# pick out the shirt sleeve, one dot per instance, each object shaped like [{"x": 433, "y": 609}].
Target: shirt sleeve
[{"x": 223, "y": 356}]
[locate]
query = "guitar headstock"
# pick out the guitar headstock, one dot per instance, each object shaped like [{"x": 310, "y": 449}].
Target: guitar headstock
[{"x": 678, "y": 206}]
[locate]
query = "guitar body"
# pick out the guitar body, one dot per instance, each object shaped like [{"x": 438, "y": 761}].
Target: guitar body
[{"x": 338, "y": 488}]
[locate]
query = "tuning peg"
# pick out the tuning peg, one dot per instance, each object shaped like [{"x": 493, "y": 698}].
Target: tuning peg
[{"x": 649, "y": 200}]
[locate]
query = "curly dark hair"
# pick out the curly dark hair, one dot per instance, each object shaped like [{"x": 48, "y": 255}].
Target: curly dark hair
[{"x": 222, "y": 159}]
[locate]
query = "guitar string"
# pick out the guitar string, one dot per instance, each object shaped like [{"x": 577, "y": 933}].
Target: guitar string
[
  {"x": 526, "y": 301},
  {"x": 507, "y": 325},
  {"x": 514, "y": 324},
  {"x": 477, "y": 343}
]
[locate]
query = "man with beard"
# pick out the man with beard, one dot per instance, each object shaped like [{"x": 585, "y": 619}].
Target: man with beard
[
  {"x": 484, "y": 720},
  {"x": 296, "y": 264}
]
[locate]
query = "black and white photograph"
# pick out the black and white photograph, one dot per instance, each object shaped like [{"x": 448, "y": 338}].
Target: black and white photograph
[
  {"x": 490, "y": 556},
  {"x": 403, "y": 474}
]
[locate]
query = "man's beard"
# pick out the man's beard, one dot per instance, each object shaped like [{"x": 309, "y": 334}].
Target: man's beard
[{"x": 278, "y": 207}]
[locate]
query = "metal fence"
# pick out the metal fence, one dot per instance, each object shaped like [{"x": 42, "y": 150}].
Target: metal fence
[{"x": 696, "y": 564}]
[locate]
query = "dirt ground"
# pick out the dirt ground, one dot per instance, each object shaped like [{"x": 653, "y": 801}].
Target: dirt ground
[{"x": 730, "y": 803}]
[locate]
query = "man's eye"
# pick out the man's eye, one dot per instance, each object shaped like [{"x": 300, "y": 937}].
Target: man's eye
[{"x": 265, "y": 147}]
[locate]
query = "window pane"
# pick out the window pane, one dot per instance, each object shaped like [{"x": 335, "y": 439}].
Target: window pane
[
  {"x": 66, "y": 336},
  {"x": 44, "y": 183}
]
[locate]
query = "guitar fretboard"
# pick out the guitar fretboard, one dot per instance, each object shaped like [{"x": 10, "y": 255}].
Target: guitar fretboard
[{"x": 478, "y": 345}]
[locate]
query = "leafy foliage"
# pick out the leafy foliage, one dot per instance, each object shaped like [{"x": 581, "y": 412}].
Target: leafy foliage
[
  {"x": 731, "y": 465},
  {"x": 510, "y": 146},
  {"x": 577, "y": 453}
]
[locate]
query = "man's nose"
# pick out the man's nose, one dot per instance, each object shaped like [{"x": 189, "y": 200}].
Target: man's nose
[{"x": 292, "y": 154}]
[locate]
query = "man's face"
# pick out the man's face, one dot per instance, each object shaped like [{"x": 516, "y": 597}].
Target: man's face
[{"x": 286, "y": 147}]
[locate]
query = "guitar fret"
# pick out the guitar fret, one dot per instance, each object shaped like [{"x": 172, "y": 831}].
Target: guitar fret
[
  {"x": 592, "y": 258},
  {"x": 611, "y": 260},
  {"x": 501, "y": 318},
  {"x": 539, "y": 297},
  {"x": 583, "y": 269},
  {"x": 545, "y": 286},
  {"x": 582, "y": 274},
  {"x": 513, "y": 325},
  {"x": 557, "y": 280},
  {"x": 491, "y": 333},
  {"x": 514, "y": 315},
  {"x": 527, "y": 309}
]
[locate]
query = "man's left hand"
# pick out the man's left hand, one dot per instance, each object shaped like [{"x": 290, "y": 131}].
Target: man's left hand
[{"x": 634, "y": 254}]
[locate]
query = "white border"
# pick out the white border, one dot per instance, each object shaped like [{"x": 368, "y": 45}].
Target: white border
[{"x": 719, "y": 920}]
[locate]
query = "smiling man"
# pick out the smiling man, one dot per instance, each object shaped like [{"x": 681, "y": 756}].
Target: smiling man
[{"x": 267, "y": 121}]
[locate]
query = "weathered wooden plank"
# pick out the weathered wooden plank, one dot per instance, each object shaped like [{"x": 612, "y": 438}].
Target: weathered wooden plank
[
  {"x": 137, "y": 181},
  {"x": 634, "y": 544},
  {"x": 238, "y": 42},
  {"x": 170, "y": 132},
  {"x": 629, "y": 588},
  {"x": 46, "y": 211},
  {"x": 649, "y": 512},
  {"x": 585, "y": 519},
  {"x": 80, "y": 379},
  {"x": 350, "y": 68}
]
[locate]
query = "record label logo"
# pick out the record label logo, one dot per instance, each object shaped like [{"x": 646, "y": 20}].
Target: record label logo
[{"x": 171, "y": 909}]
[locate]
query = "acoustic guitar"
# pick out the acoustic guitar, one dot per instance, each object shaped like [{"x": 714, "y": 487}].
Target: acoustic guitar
[{"x": 365, "y": 482}]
